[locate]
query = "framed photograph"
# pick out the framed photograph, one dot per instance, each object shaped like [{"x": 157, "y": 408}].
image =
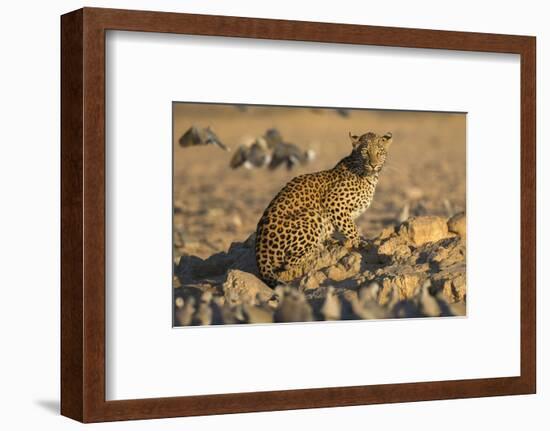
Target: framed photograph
[{"x": 268, "y": 215}]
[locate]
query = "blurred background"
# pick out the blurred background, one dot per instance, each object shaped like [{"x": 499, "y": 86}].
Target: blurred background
[{"x": 215, "y": 204}]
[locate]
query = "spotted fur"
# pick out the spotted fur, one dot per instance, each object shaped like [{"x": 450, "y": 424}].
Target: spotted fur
[{"x": 312, "y": 207}]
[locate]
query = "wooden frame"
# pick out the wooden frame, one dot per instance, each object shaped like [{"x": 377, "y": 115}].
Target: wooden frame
[{"x": 83, "y": 214}]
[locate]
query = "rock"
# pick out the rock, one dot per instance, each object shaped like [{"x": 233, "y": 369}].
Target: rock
[
  {"x": 332, "y": 308},
  {"x": 365, "y": 304},
  {"x": 399, "y": 287},
  {"x": 178, "y": 207},
  {"x": 184, "y": 314},
  {"x": 428, "y": 304},
  {"x": 404, "y": 213},
  {"x": 238, "y": 313},
  {"x": 250, "y": 242},
  {"x": 255, "y": 314},
  {"x": 352, "y": 263},
  {"x": 452, "y": 285},
  {"x": 313, "y": 280},
  {"x": 239, "y": 256},
  {"x": 458, "y": 309},
  {"x": 194, "y": 268},
  {"x": 386, "y": 232},
  {"x": 394, "y": 249},
  {"x": 243, "y": 287},
  {"x": 273, "y": 303},
  {"x": 407, "y": 284},
  {"x": 457, "y": 224},
  {"x": 215, "y": 212},
  {"x": 337, "y": 272},
  {"x": 369, "y": 293},
  {"x": 294, "y": 308},
  {"x": 235, "y": 221},
  {"x": 179, "y": 302},
  {"x": 448, "y": 207},
  {"x": 245, "y": 261},
  {"x": 217, "y": 306},
  {"x": 406, "y": 309},
  {"x": 420, "y": 230},
  {"x": 281, "y": 291},
  {"x": 414, "y": 193},
  {"x": 348, "y": 294},
  {"x": 206, "y": 297},
  {"x": 203, "y": 316},
  {"x": 219, "y": 300},
  {"x": 446, "y": 253},
  {"x": 327, "y": 257},
  {"x": 368, "y": 309},
  {"x": 222, "y": 312},
  {"x": 227, "y": 314}
]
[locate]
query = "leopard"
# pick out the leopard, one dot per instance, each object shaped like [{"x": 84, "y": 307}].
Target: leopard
[{"x": 312, "y": 209}]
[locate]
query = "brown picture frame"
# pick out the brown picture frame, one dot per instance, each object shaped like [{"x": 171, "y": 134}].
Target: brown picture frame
[{"x": 83, "y": 214}]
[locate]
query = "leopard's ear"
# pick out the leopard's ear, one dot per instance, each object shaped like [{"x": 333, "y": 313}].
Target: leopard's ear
[
  {"x": 388, "y": 139},
  {"x": 354, "y": 139}
]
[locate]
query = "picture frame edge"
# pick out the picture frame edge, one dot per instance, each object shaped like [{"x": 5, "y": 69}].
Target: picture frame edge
[{"x": 83, "y": 219}]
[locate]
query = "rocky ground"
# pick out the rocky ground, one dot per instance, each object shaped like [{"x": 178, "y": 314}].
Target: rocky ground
[{"x": 413, "y": 269}]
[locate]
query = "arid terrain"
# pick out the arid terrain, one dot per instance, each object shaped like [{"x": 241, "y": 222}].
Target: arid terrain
[{"x": 414, "y": 262}]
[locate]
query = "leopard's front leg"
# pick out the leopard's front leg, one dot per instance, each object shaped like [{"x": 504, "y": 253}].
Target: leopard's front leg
[
  {"x": 346, "y": 226},
  {"x": 340, "y": 216}
]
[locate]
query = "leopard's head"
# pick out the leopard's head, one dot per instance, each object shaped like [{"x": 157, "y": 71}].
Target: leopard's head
[{"x": 372, "y": 149}]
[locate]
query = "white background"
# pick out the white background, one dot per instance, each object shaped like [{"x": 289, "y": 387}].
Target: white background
[
  {"x": 29, "y": 272},
  {"x": 145, "y": 356}
]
